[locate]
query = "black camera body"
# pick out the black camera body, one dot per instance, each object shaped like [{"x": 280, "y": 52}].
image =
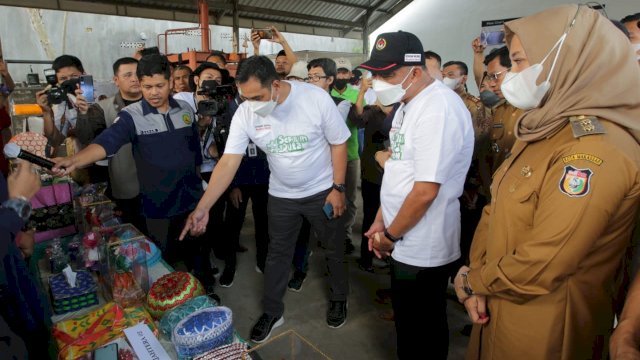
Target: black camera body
[
  {"x": 217, "y": 94},
  {"x": 57, "y": 94}
]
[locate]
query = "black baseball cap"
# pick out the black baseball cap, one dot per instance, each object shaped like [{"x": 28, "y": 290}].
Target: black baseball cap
[
  {"x": 209, "y": 65},
  {"x": 393, "y": 50}
]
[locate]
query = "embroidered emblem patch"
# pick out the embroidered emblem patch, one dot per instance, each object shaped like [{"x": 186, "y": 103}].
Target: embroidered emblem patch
[
  {"x": 186, "y": 119},
  {"x": 381, "y": 44},
  {"x": 575, "y": 182}
]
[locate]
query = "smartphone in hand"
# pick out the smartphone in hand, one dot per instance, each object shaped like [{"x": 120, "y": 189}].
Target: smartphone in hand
[
  {"x": 86, "y": 85},
  {"x": 327, "y": 209},
  {"x": 263, "y": 33}
]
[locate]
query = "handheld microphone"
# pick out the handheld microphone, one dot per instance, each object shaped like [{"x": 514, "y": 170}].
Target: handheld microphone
[{"x": 12, "y": 151}]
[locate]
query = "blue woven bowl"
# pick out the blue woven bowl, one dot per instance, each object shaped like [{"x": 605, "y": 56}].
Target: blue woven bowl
[{"x": 202, "y": 331}]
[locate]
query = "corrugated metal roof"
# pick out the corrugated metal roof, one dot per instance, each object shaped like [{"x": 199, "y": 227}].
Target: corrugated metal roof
[{"x": 338, "y": 16}]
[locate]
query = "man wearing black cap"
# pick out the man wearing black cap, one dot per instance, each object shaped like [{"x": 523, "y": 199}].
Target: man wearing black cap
[{"x": 418, "y": 223}]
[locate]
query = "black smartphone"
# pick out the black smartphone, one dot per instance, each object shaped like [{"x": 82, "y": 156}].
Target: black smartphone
[
  {"x": 327, "y": 209},
  {"x": 86, "y": 85},
  {"x": 387, "y": 144}
]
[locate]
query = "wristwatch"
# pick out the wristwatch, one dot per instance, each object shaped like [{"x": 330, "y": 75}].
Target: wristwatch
[
  {"x": 340, "y": 187},
  {"x": 391, "y": 237},
  {"x": 20, "y": 205},
  {"x": 465, "y": 284}
]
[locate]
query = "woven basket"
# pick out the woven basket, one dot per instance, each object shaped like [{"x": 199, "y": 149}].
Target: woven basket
[{"x": 203, "y": 331}]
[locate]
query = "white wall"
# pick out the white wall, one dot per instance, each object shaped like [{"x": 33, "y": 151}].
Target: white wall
[
  {"x": 45, "y": 34},
  {"x": 448, "y": 27}
]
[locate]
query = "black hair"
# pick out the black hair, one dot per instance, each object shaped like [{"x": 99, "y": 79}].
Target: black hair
[
  {"x": 621, "y": 27},
  {"x": 281, "y": 53},
  {"x": 327, "y": 65},
  {"x": 433, "y": 55},
  {"x": 633, "y": 17},
  {"x": 218, "y": 54},
  {"x": 64, "y": 61},
  {"x": 149, "y": 51},
  {"x": 464, "y": 69},
  {"x": 259, "y": 67},
  {"x": 154, "y": 64},
  {"x": 503, "y": 53},
  {"x": 122, "y": 61},
  {"x": 183, "y": 67}
]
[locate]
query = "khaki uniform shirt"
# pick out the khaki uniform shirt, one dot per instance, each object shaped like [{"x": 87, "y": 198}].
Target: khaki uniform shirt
[{"x": 547, "y": 248}]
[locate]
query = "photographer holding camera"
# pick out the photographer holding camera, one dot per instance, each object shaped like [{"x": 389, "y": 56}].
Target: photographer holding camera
[{"x": 62, "y": 102}]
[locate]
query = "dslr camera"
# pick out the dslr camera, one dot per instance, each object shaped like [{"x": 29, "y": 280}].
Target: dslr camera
[
  {"x": 57, "y": 94},
  {"x": 217, "y": 95}
]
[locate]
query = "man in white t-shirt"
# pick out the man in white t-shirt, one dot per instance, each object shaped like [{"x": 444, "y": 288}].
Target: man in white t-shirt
[
  {"x": 300, "y": 129},
  {"x": 418, "y": 223}
]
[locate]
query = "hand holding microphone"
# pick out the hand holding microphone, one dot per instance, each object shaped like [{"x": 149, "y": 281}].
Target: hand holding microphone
[{"x": 13, "y": 151}]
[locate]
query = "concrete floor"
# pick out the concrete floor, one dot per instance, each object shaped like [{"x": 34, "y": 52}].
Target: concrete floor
[{"x": 364, "y": 336}]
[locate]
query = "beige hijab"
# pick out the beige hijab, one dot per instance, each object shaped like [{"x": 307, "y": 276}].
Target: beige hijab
[{"x": 596, "y": 73}]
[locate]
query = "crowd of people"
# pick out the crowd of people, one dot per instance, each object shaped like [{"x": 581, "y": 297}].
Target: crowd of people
[{"x": 525, "y": 197}]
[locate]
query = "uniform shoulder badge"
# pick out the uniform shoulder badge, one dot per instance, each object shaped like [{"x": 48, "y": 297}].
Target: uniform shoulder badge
[
  {"x": 575, "y": 182},
  {"x": 586, "y": 125},
  {"x": 186, "y": 118}
]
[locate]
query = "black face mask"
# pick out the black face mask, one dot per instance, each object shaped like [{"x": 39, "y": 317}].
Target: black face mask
[
  {"x": 340, "y": 83},
  {"x": 489, "y": 98}
]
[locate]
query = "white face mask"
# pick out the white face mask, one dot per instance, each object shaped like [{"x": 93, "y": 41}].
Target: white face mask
[
  {"x": 389, "y": 94},
  {"x": 636, "y": 48},
  {"x": 451, "y": 83},
  {"x": 264, "y": 108},
  {"x": 521, "y": 90}
]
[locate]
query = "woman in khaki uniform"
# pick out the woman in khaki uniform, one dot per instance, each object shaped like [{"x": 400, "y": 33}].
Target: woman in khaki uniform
[{"x": 544, "y": 256}]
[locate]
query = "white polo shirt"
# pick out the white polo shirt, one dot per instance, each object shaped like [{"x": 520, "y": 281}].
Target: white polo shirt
[
  {"x": 432, "y": 141},
  {"x": 296, "y": 137}
]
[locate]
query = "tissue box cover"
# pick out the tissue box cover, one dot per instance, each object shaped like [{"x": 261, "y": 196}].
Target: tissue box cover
[
  {"x": 67, "y": 298},
  {"x": 78, "y": 336},
  {"x": 203, "y": 331},
  {"x": 171, "y": 290},
  {"x": 172, "y": 317}
]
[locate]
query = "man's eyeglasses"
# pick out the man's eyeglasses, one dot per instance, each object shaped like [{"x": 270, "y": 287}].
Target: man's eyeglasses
[
  {"x": 314, "y": 78},
  {"x": 496, "y": 76}
]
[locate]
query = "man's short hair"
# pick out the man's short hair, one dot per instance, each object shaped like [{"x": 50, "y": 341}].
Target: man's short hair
[
  {"x": 154, "y": 64},
  {"x": 633, "y": 17},
  {"x": 281, "y": 53},
  {"x": 433, "y": 55},
  {"x": 64, "y": 61},
  {"x": 149, "y": 51},
  {"x": 183, "y": 67},
  {"x": 259, "y": 67},
  {"x": 327, "y": 65},
  {"x": 464, "y": 69},
  {"x": 122, "y": 61},
  {"x": 218, "y": 54},
  {"x": 503, "y": 53}
]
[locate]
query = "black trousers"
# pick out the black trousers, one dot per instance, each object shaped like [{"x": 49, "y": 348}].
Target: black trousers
[
  {"x": 132, "y": 213},
  {"x": 370, "y": 205},
  {"x": 419, "y": 301},
  {"x": 259, "y": 196}
]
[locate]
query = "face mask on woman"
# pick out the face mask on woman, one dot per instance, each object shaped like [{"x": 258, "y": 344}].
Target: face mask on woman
[{"x": 521, "y": 90}]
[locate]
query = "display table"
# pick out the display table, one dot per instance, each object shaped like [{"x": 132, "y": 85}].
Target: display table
[{"x": 287, "y": 346}]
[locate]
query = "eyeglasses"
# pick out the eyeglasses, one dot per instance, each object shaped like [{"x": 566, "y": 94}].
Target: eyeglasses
[
  {"x": 315, "y": 78},
  {"x": 496, "y": 76}
]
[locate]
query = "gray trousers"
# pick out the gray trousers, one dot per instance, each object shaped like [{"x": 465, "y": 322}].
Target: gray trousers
[{"x": 285, "y": 218}]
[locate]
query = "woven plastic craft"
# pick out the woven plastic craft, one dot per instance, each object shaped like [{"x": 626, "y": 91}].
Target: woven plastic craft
[
  {"x": 172, "y": 317},
  {"x": 171, "y": 290},
  {"x": 203, "y": 331},
  {"x": 67, "y": 298}
]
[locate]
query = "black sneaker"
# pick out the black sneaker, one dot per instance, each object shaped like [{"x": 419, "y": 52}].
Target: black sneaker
[
  {"x": 295, "y": 284},
  {"x": 262, "y": 329},
  {"x": 365, "y": 267},
  {"x": 337, "y": 314},
  {"x": 226, "y": 280}
]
